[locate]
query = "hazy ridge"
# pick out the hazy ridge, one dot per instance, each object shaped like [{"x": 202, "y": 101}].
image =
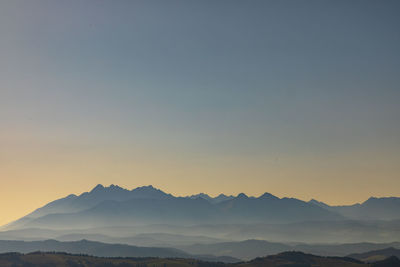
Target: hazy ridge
[{"x": 225, "y": 227}]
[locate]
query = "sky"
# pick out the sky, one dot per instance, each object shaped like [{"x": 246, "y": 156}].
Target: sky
[{"x": 295, "y": 98}]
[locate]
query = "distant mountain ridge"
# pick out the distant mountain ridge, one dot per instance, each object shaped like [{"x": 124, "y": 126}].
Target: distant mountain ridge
[
  {"x": 385, "y": 208},
  {"x": 116, "y": 206}
]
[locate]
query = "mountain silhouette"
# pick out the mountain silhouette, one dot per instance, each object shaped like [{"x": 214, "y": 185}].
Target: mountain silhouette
[
  {"x": 385, "y": 208},
  {"x": 116, "y": 206}
]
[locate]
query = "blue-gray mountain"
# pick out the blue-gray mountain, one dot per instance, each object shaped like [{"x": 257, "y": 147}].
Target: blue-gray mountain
[
  {"x": 386, "y": 208},
  {"x": 116, "y": 206}
]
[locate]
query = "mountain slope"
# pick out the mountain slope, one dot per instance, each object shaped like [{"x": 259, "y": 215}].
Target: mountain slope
[
  {"x": 268, "y": 208},
  {"x": 87, "y": 200},
  {"x": 385, "y": 208},
  {"x": 376, "y": 255}
]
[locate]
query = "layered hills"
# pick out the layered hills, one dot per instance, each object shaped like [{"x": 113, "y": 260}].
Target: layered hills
[{"x": 241, "y": 227}]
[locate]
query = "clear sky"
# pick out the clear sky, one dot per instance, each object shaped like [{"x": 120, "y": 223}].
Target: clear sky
[{"x": 295, "y": 98}]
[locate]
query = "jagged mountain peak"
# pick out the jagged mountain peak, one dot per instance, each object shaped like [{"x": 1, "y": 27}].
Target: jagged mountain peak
[
  {"x": 201, "y": 195},
  {"x": 214, "y": 200},
  {"x": 116, "y": 189},
  {"x": 97, "y": 188},
  {"x": 112, "y": 187},
  {"x": 146, "y": 188},
  {"x": 242, "y": 196},
  {"x": 267, "y": 195},
  {"x": 149, "y": 191}
]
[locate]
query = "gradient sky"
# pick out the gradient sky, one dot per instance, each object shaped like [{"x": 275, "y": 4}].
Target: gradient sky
[{"x": 295, "y": 98}]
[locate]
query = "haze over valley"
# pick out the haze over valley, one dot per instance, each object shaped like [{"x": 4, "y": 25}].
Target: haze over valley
[{"x": 149, "y": 222}]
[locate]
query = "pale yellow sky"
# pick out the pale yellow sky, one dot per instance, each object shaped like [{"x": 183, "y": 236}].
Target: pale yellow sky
[{"x": 32, "y": 178}]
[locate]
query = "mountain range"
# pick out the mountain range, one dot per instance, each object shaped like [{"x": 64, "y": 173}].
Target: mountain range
[
  {"x": 116, "y": 206},
  {"x": 240, "y": 227}
]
